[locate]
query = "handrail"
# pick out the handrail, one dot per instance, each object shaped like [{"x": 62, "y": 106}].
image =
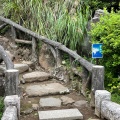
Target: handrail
[
  {"x": 58, "y": 45},
  {"x": 97, "y": 82},
  {"x": 6, "y": 58}
]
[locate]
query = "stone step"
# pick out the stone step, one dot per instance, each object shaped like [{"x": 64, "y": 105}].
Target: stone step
[
  {"x": 46, "y": 89},
  {"x": 36, "y": 76},
  {"x": 21, "y": 67},
  {"x": 55, "y": 101},
  {"x": 64, "y": 114},
  {"x": 30, "y": 64},
  {"x": 50, "y": 102}
]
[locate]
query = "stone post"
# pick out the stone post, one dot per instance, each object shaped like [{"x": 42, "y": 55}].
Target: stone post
[
  {"x": 13, "y": 100},
  {"x": 11, "y": 82},
  {"x": 97, "y": 81},
  {"x": 10, "y": 113},
  {"x": 101, "y": 95}
]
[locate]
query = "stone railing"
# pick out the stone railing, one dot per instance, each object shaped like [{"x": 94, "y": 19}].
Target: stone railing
[
  {"x": 12, "y": 108},
  {"x": 104, "y": 107},
  {"x": 96, "y": 71},
  {"x": 11, "y": 74}
]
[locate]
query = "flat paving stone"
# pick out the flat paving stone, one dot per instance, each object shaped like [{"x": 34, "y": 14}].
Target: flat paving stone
[
  {"x": 65, "y": 114},
  {"x": 36, "y": 76},
  {"x": 50, "y": 102},
  {"x": 46, "y": 89}
]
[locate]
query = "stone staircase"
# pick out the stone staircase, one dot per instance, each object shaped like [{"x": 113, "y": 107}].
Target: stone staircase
[
  {"x": 39, "y": 84},
  {"x": 45, "y": 98}
]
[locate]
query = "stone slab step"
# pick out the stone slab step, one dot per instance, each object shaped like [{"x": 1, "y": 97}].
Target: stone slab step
[
  {"x": 65, "y": 114},
  {"x": 36, "y": 76},
  {"x": 29, "y": 63},
  {"x": 46, "y": 89},
  {"x": 50, "y": 102},
  {"x": 21, "y": 67}
]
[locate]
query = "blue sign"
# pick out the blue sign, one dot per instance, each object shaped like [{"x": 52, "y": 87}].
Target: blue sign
[{"x": 97, "y": 50}]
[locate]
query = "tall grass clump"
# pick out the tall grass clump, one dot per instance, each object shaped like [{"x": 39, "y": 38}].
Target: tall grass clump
[{"x": 61, "y": 20}]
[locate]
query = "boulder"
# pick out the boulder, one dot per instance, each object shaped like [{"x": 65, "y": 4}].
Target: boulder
[{"x": 46, "y": 58}]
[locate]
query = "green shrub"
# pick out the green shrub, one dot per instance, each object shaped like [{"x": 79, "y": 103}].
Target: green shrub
[
  {"x": 1, "y": 107},
  {"x": 116, "y": 98},
  {"x": 107, "y": 31}
]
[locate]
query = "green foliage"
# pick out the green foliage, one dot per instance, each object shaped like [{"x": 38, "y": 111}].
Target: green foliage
[
  {"x": 63, "y": 21},
  {"x": 116, "y": 98},
  {"x": 114, "y": 84},
  {"x": 100, "y": 4},
  {"x": 97, "y": 4},
  {"x": 107, "y": 31},
  {"x": 1, "y": 107},
  {"x": 2, "y": 31}
]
